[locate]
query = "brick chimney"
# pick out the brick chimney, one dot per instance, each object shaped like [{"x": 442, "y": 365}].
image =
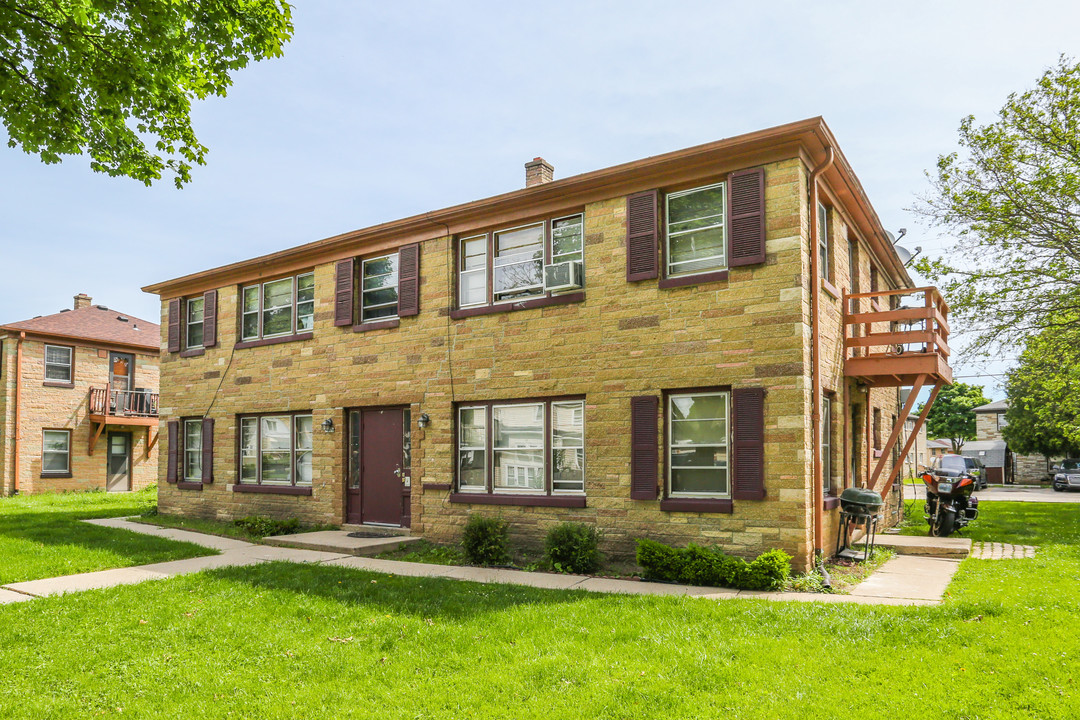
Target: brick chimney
[
  {"x": 82, "y": 300},
  {"x": 538, "y": 172}
]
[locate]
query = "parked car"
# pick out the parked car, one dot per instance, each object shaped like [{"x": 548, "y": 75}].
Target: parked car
[
  {"x": 958, "y": 465},
  {"x": 1067, "y": 475}
]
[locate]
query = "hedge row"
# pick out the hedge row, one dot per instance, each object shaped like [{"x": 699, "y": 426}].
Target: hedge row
[{"x": 697, "y": 565}]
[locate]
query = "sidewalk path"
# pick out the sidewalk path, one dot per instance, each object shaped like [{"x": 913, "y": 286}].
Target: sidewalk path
[{"x": 904, "y": 580}]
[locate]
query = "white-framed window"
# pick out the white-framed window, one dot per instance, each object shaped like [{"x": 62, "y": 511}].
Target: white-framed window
[
  {"x": 379, "y": 288},
  {"x": 826, "y": 446},
  {"x": 193, "y": 323},
  {"x": 193, "y": 450},
  {"x": 823, "y": 240},
  {"x": 276, "y": 449},
  {"x": 529, "y": 447},
  {"x": 518, "y": 262},
  {"x": 1002, "y": 421},
  {"x": 696, "y": 230},
  {"x": 517, "y": 259},
  {"x": 697, "y": 444},
  {"x": 58, "y": 363},
  {"x": 278, "y": 308},
  {"x": 55, "y": 452}
]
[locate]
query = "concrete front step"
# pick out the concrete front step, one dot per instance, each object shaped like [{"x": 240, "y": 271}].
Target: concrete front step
[
  {"x": 338, "y": 541},
  {"x": 939, "y": 547},
  {"x": 380, "y": 530}
]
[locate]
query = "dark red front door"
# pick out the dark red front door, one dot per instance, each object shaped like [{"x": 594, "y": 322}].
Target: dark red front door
[{"x": 378, "y": 467}]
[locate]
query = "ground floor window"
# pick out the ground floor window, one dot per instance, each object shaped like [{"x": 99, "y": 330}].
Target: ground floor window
[
  {"x": 55, "y": 452},
  {"x": 192, "y": 450},
  {"x": 276, "y": 449},
  {"x": 697, "y": 444},
  {"x": 534, "y": 447},
  {"x": 826, "y": 447}
]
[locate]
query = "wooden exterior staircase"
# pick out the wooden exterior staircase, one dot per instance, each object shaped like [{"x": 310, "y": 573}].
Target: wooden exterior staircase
[{"x": 898, "y": 338}]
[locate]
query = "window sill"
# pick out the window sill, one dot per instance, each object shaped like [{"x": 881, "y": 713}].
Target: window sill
[
  {"x": 188, "y": 485},
  {"x": 52, "y": 384},
  {"x": 831, "y": 502},
  {"x": 435, "y": 486},
  {"x": 698, "y": 279},
  {"x": 830, "y": 288},
  {"x": 273, "y": 341},
  {"x": 46, "y": 476},
  {"x": 519, "y": 305},
  {"x": 703, "y": 505},
  {"x": 377, "y": 325},
  {"x": 272, "y": 489},
  {"x": 566, "y": 501},
  {"x": 192, "y": 352}
]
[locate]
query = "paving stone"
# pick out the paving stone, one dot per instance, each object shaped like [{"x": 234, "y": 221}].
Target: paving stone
[
  {"x": 10, "y": 596},
  {"x": 214, "y": 542},
  {"x": 86, "y": 581}
]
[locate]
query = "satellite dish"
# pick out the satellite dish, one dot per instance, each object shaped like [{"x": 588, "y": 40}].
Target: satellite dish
[
  {"x": 904, "y": 253},
  {"x": 892, "y": 238}
]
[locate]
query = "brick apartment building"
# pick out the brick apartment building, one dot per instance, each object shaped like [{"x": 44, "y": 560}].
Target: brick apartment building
[
  {"x": 78, "y": 401},
  {"x": 656, "y": 348}
]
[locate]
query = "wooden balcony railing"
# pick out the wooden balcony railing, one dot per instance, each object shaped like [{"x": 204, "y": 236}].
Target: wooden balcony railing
[
  {"x": 109, "y": 403},
  {"x": 893, "y": 336}
]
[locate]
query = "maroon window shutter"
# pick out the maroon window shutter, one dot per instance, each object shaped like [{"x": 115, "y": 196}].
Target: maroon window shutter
[
  {"x": 409, "y": 280},
  {"x": 643, "y": 443},
  {"x": 174, "y": 325},
  {"x": 642, "y": 234},
  {"x": 748, "y": 466},
  {"x": 174, "y": 451},
  {"x": 210, "y": 318},
  {"x": 746, "y": 217},
  {"x": 343, "y": 293},
  {"x": 208, "y": 450}
]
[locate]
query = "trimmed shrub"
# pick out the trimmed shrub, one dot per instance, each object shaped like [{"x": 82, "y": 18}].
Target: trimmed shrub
[
  {"x": 572, "y": 548},
  {"x": 698, "y": 565},
  {"x": 486, "y": 540},
  {"x": 260, "y": 526}
]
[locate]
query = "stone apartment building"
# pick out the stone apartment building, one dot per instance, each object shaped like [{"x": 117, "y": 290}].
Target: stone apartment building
[
  {"x": 78, "y": 401},
  {"x": 1003, "y": 465},
  {"x": 657, "y": 349}
]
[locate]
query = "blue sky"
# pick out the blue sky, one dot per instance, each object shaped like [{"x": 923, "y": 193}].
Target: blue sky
[{"x": 379, "y": 110}]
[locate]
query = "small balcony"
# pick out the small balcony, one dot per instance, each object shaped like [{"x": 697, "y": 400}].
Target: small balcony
[
  {"x": 897, "y": 338},
  {"x": 123, "y": 407}
]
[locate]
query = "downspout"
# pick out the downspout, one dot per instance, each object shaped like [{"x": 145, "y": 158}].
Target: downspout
[
  {"x": 18, "y": 411},
  {"x": 817, "y": 500}
]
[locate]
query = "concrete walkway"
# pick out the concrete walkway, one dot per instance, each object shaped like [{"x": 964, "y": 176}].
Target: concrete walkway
[{"x": 904, "y": 580}]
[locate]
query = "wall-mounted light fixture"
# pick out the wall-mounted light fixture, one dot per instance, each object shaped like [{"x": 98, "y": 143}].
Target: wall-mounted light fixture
[
  {"x": 424, "y": 420},
  {"x": 328, "y": 425}
]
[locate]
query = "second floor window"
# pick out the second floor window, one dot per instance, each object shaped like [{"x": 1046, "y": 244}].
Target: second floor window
[
  {"x": 193, "y": 324},
  {"x": 508, "y": 265},
  {"x": 695, "y": 230},
  {"x": 278, "y": 308},
  {"x": 379, "y": 289},
  {"x": 58, "y": 362}
]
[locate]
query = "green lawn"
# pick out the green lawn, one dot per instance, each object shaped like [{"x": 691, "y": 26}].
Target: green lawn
[
  {"x": 42, "y": 535},
  {"x": 302, "y": 641},
  {"x": 1021, "y": 523}
]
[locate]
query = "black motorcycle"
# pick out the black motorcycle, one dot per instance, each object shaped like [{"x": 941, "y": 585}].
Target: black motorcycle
[{"x": 950, "y": 504}]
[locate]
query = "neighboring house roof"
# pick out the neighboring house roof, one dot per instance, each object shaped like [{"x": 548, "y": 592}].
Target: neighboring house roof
[
  {"x": 94, "y": 323},
  {"x": 938, "y": 444},
  {"x": 810, "y": 139},
  {"x": 998, "y": 406},
  {"x": 991, "y": 452}
]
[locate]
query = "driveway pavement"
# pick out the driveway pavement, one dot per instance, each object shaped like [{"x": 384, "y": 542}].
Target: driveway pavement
[{"x": 1010, "y": 493}]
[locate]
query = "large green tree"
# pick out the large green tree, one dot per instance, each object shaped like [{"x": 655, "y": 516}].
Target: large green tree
[
  {"x": 115, "y": 79},
  {"x": 952, "y": 414},
  {"x": 1044, "y": 395},
  {"x": 1011, "y": 198}
]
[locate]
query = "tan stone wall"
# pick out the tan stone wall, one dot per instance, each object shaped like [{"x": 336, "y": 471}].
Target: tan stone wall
[
  {"x": 64, "y": 408},
  {"x": 1031, "y": 470},
  {"x": 624, "y": 340},
  {"x": 986, "y": 426}
]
